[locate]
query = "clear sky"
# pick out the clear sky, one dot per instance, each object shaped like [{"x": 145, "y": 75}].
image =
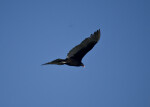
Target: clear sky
[{"x": 33, "y": 32}]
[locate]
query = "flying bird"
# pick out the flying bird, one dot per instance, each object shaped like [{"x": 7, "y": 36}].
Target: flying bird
[{"x": 75, "y": 55}]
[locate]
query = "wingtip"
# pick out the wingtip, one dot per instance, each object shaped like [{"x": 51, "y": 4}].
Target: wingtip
[
  {"x": 97, "y": 31},
  {"x": 43, "y": 64},
  {"x": 46, "y": 63}
]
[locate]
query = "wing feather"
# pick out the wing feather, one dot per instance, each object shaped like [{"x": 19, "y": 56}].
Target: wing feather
[{"x": 79, "y": 51}]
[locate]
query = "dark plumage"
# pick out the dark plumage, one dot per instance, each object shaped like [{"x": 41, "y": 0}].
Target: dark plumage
[{"x": 75, "y": 55}]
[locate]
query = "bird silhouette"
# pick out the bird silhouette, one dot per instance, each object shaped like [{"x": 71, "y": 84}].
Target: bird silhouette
[{"x": 75, "y": 55}]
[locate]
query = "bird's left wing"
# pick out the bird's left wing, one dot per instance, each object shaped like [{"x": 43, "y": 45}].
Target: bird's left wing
[{"x": 79, "y": 51}]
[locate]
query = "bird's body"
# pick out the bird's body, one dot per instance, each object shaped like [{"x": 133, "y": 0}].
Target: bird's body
[
  {"x": 73, "y": 62},
  {"x": 75, "y": 55}
]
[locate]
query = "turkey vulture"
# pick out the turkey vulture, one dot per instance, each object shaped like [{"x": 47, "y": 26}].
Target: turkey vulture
[{"x": 75, "y": 55}]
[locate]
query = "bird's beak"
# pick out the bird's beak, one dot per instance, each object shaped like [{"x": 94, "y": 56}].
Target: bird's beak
[{"x": 83, "y": 66}]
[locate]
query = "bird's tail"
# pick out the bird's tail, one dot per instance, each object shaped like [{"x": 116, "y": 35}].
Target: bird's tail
[{"x": 57, "y": 62}]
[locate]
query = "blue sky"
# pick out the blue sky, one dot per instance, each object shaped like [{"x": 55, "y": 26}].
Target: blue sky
[{"x": 117, "y": 72}]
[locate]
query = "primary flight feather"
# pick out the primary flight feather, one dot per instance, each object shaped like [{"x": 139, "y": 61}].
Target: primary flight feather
[{"x": 75, "y": 55}]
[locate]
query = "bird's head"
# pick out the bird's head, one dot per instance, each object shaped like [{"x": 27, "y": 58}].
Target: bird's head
[{"x": 82, "y": 65}]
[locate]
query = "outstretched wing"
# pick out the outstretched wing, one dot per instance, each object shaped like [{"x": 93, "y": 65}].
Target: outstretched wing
[
  {"x": 79, "y": 51},
  {"x": 56, "y": 61}
]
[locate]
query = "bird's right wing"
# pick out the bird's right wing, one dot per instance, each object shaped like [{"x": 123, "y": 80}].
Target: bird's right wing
[
  {"x": 57, "y": 62},
  {"x": 79, "y": 51}
]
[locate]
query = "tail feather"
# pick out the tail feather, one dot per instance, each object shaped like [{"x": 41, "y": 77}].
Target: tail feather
[{"x": 57, "y": 62}]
